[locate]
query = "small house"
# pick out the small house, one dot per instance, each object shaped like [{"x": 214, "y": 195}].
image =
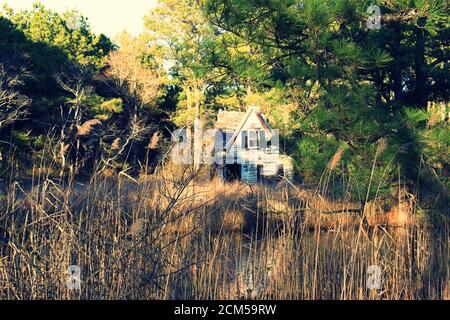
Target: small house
[{"x": 251, "y": 150}]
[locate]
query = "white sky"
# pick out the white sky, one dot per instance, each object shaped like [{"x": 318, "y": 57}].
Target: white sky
[{"x": 105, "y": 16}]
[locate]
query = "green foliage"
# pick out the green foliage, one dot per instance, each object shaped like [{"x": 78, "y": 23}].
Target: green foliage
[
  {"x": 334, "y": 88},
  {"x": 352, "y": 84},
  {"x": 46, "y": 41},
  {"x": 312, "y": 156},
  {"x": 104, "y": 110},
  {"x": 431, "y": 130},
  {"x": 70, "y": 77},
  {"x": 69, "y": 32}
]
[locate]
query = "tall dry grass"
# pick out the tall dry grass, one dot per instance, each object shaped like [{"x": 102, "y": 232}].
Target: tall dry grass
[{"x": 179, "y": 235}]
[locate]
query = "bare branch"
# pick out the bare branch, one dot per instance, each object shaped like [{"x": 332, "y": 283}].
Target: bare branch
[{"x": 12, "y": 103}]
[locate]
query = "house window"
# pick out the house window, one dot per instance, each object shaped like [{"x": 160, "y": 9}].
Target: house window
[{"x": 253, "y": 139}]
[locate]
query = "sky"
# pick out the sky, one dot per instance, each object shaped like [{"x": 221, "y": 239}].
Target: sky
[{"x": 105, "y": 16}]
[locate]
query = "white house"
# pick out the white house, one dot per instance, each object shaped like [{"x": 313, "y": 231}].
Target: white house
[{"x": 250, "y": 148}]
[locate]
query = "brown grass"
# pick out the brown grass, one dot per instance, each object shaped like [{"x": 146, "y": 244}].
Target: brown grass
[
  {"x": 153, "y": 145},
  {"x": 176, "y": 236},
  {"x": 86, "y": 127},
  {"x": 116, "y": 144},
  {"x": 332, "y": 164}
]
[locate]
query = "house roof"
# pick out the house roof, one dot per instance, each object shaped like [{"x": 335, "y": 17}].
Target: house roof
[
  {"x": 244, "y": 118},
  {"x": 229, "y": 120}
]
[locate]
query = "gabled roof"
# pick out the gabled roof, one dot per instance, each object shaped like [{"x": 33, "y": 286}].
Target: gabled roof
[
  {"x": 241, "y": 125},
  {"x": 229, "y": 120}
]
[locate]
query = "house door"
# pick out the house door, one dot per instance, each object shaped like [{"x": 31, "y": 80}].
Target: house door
[
  {"x": 259, "y": 170},
  {"x": 232, "y": 172}
]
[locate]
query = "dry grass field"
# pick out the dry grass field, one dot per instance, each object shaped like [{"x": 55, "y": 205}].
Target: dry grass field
[{"x": 176, "y": 235}]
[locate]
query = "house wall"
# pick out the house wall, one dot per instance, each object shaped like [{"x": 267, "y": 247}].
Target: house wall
[
  {"x": 252, "y": 158},
  {"x": 268, "y": 159}
]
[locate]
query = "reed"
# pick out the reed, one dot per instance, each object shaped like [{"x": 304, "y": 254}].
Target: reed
[{"x": 174, "y": 235}]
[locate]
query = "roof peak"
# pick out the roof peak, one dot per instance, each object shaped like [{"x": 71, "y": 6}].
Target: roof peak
[{"x": 254, "y": 108}]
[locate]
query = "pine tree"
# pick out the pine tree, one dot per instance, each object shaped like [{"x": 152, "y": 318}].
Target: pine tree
[{"x": 357, "y": 81}]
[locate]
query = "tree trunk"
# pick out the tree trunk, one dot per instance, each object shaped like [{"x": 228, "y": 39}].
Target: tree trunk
[
  {"x": 396, "y": 65},
  {"x": 421, "y": 93}
]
